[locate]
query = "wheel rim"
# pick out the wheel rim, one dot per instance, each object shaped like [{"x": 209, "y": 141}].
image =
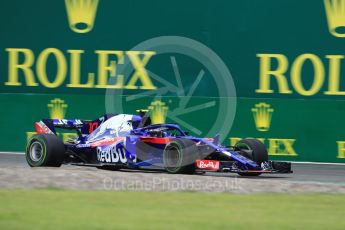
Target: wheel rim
[
  {"x": 243, "y": 146},
  {"x": 36, "y": 151},
  {"x": 246, "y": 149},
  {"x": 173, "y": 157}
]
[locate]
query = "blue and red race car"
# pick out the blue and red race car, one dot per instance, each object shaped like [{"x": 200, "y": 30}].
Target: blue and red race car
[{"x": 125, "y": 141}]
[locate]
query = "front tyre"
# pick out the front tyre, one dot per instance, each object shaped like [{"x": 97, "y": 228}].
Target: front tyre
[
  {"x": 179, "y": 156},
  {"x": 254, "y": 150},
  {"x": 45, "y": 150}
]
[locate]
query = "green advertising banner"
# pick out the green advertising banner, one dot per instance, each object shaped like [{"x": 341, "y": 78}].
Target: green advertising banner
[{"x": 270, "y": 69}]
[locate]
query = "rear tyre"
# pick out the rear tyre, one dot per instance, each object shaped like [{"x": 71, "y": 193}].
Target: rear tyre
[
  {"x": 254, "y": 150},
  {"x": 45, "y": 150},
  {"x": 179, "y": 156}
]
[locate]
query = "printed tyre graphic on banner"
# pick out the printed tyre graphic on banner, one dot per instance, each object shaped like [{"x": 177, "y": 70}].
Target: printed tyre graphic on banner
[{"x": 179, "y": 98}]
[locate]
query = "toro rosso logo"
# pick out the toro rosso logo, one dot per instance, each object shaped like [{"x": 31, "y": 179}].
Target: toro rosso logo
[
  {"x": 207, "y": 164},
  {"x": 113, "y": 154}
]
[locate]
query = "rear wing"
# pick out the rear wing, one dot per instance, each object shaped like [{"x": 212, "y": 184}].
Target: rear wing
[
  {"x": 82, "y": 127},
  {"x": 50, "y": 125}
]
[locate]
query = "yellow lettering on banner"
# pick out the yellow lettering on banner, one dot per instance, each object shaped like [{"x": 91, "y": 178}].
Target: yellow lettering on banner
[
  {"x": 266, "y": 72},
  {"x": 282, "y": 147},
  {"x": 104, "y": 67},
  {"x": 341, "y": 149},
  {"x": 14, "y": 66},
  {"x": 276, "y": 147},
  {"x": 140, "y": 71},
  {"x": 61, "y": 67},
  {"x": 334, "y": 72},
  {"x": 75, "y": 71},
  {"x": 319, "y": 74}
]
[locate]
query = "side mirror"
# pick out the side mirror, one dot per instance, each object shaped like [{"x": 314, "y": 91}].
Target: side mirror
[{"x": 187, "y": 133}]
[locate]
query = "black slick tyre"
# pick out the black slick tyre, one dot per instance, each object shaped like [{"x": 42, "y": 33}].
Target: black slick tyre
[
  {"x": 254, "y": 150},
  {"x": 45, "y": 150}
]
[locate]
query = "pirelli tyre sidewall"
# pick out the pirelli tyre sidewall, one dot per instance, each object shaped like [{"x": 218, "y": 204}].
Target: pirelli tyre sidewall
[
  {"x": 179, "y": 156},
  {"x": 45, "y": 150},
  {"x": 258, "y": 152}
]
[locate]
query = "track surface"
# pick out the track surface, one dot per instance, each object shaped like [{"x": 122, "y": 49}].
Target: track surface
[{"x": 15, "y": 173}]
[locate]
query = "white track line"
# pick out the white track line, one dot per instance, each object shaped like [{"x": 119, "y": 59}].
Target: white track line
[
  {"x": 13, "y": 153},
  {"x": 316, "y": 163}
]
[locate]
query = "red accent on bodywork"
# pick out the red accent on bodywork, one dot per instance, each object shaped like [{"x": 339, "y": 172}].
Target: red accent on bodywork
[
  {"x": 107, "y": 141},
  {"x": 42, "y": 128},
  {"x": 38, "y": 128},
  {"x": 93, "y": 126},
  {"x": 207, "y": 164},
  {"x": 156, "y": 140}
]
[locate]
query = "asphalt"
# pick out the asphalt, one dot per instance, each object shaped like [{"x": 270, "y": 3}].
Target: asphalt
[{"x": 302, "y": 172}]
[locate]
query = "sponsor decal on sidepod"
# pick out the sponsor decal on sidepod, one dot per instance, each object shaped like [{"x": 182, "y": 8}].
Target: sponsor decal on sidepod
[{"x": 207, "y": 164}]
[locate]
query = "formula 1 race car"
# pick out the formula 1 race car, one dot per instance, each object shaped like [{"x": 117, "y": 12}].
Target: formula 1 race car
[{"x": 125, "y": 141}]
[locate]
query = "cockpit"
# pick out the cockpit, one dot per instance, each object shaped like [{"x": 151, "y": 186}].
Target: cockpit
[
  {"x": 165, "y": 130},
  {"x": 116, "y": 126}
]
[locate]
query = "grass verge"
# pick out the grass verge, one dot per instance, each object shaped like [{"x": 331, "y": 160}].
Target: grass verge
[{"x": 59, "y": 209}]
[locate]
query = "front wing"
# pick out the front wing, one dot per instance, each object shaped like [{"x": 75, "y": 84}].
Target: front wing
[{"x": 233, "y": 167}]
